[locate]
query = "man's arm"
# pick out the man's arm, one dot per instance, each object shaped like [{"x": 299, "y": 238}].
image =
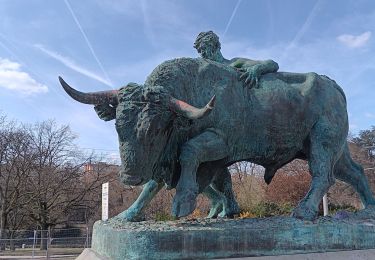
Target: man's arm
[{"x": 252, "y": 69}]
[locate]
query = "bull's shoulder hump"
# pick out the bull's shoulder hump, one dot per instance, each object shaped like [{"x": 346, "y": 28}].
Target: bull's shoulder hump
[
  {"x": 181, "y": 61},
  {"x": 175, "y": 64}
]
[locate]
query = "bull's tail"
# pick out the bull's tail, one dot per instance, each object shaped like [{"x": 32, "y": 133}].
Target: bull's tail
[{"x": 352, "y": 173}]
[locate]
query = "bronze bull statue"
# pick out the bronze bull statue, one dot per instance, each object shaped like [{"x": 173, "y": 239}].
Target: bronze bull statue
[{"x": 170, "y": 133}]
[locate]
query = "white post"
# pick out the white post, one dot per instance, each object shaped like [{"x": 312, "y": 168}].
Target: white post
[
  {"x": 105, "y": 201},
  {"x": 87, "y": 238},
  {"x": 325, "y": 205}
]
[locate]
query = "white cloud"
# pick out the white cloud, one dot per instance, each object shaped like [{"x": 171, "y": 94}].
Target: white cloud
[
  {"x": 72, "y": 65},
  {"x": 12, "y": 77},
  {"x": 353, "y": 41}
]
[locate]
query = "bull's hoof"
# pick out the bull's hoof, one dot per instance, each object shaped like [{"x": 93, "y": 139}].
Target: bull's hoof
[
  {"x": 305, "y": 213},
  {"x": 219, "y": 210},
  {"x": 226, "y": 214},
  {"x": 184, "y": 203},
  {"x": 215, "y": 210}
]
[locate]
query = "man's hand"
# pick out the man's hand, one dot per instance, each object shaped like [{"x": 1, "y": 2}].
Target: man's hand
[
  {"x": 105, "y": 112},
  {"x": 251, "y": 75}
]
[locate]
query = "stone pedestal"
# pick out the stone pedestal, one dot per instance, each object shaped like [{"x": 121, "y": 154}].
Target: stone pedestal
[{"x": 205, "y": 239}]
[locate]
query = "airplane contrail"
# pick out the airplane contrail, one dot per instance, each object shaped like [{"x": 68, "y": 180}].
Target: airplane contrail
[
  {"x": 88, "y": 43},
  {"x": 231, "y": 18},
  {"x": 303, "y": 29},
  {"x": 72, "y": 65}
]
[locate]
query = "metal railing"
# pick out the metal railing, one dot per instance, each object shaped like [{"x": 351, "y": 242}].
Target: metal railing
[{"x": 66, "y": 243}]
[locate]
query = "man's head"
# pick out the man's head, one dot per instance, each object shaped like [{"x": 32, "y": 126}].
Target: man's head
[{"x": 207, "y": 45}]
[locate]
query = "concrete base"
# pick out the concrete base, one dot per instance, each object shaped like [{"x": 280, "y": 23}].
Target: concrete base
[{"x": 207, "y": 239}]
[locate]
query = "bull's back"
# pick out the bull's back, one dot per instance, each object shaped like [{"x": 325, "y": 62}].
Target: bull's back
[{"x": 257, "y": 122}]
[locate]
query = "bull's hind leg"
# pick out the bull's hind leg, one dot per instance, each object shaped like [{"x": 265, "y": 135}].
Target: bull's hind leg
[
  {"x": 205, "y": 147},
  {"x": 223, "y": 202},
  {"x": 325, "y": 148},
  {"x": 352, "y": 173},
  {"x": 217, "y": 201},
  {"x": 222, "y": 183}
]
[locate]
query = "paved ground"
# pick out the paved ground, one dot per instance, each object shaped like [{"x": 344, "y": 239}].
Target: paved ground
[
  {"x": 58, "y": 257},
  {"x": 342, "y": 255}
]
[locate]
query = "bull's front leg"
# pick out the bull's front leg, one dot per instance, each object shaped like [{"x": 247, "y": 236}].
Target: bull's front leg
[
  {"x": 208, "y": 146},
  {"x": 134, "y": 212}
]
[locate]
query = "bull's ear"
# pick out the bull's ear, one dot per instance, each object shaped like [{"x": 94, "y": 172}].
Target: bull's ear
[
  {"x": 189, "y": 111},
  {"x": 105, "y": 112}
]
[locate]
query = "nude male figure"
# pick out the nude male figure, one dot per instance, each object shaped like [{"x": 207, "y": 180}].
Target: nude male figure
[{"x": 208, "y": 46}]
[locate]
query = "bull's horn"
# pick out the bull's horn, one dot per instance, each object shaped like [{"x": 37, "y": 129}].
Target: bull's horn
[
  {"x": 189, "y": 111},
  {"x": 93, "y": 98}
]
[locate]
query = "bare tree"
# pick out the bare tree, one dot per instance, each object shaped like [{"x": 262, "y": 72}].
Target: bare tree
[
  {"x": 290, "y": 183},
  {"x": 42, "y": 178},
  {"x": 14, "y": 170},
  {"x": 57, "y": 182},
  {"x": 366, "y": 140},
  {"x": 247, "y": 179}
]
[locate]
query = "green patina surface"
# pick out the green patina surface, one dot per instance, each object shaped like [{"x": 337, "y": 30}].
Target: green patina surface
[
  {"x": 170, "y": 133},
  {"x": 287, "y": 116},
  {"x": 208, "y": 238},
  {"x": 260, "y": 115}
]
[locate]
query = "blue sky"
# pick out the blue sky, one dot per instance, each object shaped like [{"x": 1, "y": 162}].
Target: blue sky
[{"x": 104, "y": 44}]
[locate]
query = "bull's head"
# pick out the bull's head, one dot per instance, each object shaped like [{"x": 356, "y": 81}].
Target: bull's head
[{"x": 143, "y": 122}]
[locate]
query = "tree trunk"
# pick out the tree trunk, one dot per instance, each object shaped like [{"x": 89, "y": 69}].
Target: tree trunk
[
  {"x": 3, "y": 234},
  {"x": 11, "y": 243},
  {"x": 44, "y": 225},
  {"x": 43, "y": 236}
]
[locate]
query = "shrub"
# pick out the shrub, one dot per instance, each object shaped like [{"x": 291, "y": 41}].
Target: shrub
[
  {"x": 267, "y": 209},
  {"x": 162, "y": 216},
  {"x": 333, "y": 208}
]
